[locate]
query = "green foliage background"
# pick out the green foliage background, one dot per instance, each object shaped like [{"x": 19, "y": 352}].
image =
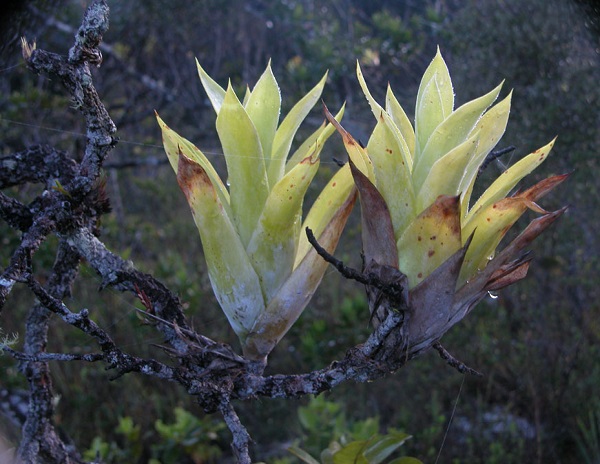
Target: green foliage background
[{"x": 537, "y": 343}]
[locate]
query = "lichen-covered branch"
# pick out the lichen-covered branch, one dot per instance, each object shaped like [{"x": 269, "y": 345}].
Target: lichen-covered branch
[
  {"x": 40, "y": 440},
  {"x": 241, "y": 438}
]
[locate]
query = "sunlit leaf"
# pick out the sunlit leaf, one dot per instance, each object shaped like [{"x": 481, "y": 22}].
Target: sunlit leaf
[
  {"x": 232, "y": 277},
  {"x": 257, "y": 214},
  {"x": 451, "y": 132},
  {"x": 392, "y": 176},
  {"x": 490, "y": 128},
  {"x": 263, "y": 107},
  {"x": 445, "y": 175},
  {"x": 247, "y": 94},
  {"x": 288, "y": 128},
  {"x": 215, "y": 92},
  {"x": 380, "y": 114},
  {"x": 272, "y": 248},
  {"x": 314, "y": 143},
  {"x": 430, "y": 239},
  {"x": 333, "y": 196},
  {"x": 174, "y": 143},
  {"x": 435, "y": 101},
  {"x": 356, "y": 152},
  {"x": 400, "y": 119},
  {"x": 286, "y": 306},
  {"x": 491, "y": 223},
  {"x": 244, "y": 158},
  {"x": 476, "y": 287},
  {"x": 509, "y": 179},
  {"x": 376, "y": 108}
]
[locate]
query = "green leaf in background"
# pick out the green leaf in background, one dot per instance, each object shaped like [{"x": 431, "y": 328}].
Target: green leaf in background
[
  {"x": 302, "y": 455},
  {"x": 380, "y": 448}
]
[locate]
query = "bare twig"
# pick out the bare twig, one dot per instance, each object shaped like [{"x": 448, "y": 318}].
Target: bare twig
[
  {"x": 39, "y": 437},
  {"x": 37, "y": 164},
  {"x": 16, "y": 214},
  {"x": 494, "y": 155},
  {"x": 377, "y": 338},
  {"x": 123, "y": 276},
  {"x": 455, "y": 363},
  {"x": 393, "y": 289},
  {"x": 45, "y": 357},
  {"x": 241, "y": 438},
  {"x": 20, "y": 263},
  {"x": 114, "y": 357},
  {"x": 346, "y": 271}
]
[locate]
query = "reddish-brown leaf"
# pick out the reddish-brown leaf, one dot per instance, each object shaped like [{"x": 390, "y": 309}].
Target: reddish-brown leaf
[
  {"x": 431, "y": 301},
  {"x": 378, "y": 240}
]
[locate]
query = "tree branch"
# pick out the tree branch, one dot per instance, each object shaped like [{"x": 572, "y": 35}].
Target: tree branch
[
  {"x": 39, "y": 437},
  {"x": 37, "y": 164},
  {"x": 455, "y": 363},
  {"x": 241, "y": 438},
  {"x": 16, "y": 214}
]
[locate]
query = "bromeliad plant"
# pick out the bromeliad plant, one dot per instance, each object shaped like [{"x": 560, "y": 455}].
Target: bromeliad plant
[
  {"x": 418, "y": 220},
  {"x": 262, "y": 269}
]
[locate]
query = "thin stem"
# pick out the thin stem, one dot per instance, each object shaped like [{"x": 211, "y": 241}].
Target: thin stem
[
  {"x": 455, "y": 363},
  {"x": 241, "y": 439}
]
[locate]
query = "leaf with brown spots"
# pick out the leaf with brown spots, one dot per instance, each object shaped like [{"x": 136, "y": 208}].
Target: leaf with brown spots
[
  {"x": 392, "y": 175},
  {"x": 430, "y": 239},
  {"x": 492, "y": 222},
  {"x": 499, "y": 268},
  {"x": 509, "y": 178}
]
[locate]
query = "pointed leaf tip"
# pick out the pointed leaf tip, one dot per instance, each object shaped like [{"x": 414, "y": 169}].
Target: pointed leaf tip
[
  {"x": 215, "y": 92},
  {"x": 508, "y": 274},
  {"x": 355, "y": 150}
]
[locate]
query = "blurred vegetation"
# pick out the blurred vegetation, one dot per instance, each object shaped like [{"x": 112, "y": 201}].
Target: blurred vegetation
[
  {"x": 538, "y": 344},
  {"x": 327, "y": 434}
]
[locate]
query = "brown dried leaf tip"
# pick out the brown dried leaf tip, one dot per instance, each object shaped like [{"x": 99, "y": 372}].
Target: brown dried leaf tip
[{"x": 27, "y": 49}]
